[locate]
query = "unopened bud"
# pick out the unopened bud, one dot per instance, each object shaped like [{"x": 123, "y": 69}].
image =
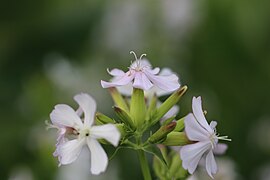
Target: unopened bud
[
  {"x": 176, "y": 139},
  {"x": 168, "y": 104},
  {"x": 118, "y": 99},
  {"x": 124, "y": 117},
  {"x": 161, "y": 134},
  {"x": 103, "y": 119}
]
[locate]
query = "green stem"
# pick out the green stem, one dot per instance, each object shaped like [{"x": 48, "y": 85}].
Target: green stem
[{"x": 144, "y": 165}]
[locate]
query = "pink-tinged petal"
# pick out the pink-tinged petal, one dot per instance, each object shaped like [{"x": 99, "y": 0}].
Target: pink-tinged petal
[
  {"x": 99, "y": 159},
  {"x": 166, "y": 72},
  {"x": 220, "y": 148},
  {"x": 116, "y": 72},
  {"x": 191, "y": 154},
  {"x": 88, "y": 105},
  {"x": 64, "y": 116},
  {"x": 61, "y": 136},
  {"x": 125, "y": 90},
  {"x": 167, "y": 83},
  {"x": 194, "y": 131},
  {"x": 108, "y": 132},
  {"x": 154, "y": 71},
  {"x": 121, "y": 81},
  {"x": 141, "y": 81},
  {"x": 198, "y": 113},
  {"x": 211, "y": 165},
  {"x": 69, "y": 151}
]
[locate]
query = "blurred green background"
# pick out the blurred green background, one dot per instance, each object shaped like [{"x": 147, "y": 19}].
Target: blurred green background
[{"x": 52, "y": 49}]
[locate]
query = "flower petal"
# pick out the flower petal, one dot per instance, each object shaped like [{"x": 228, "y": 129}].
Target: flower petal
[
  {"x": 220, "y": 148},
  {"x": 108, "y": 132},
  {"x": 121, "y": 81},
  {"x": 99, "y": 159},
  {"x": 141, "y": 81},
  {"x": 194, "y": 131},
  {"x": 116, "y": 72},
  {"x": 211, "y": 165},
  {"x": 198, "y": 113},
  {"x": 125, "y": 90},
  {"x": 88, "y": 105},
  {"x": 69, "y": 151},
  {"x": 64, "y": 115},
  {"x": 168, "y": 83},
  {"x": 191, "y": 154}
]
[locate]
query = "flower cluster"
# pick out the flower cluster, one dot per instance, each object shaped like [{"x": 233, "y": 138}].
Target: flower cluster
[{"x": 138, "y": 108}]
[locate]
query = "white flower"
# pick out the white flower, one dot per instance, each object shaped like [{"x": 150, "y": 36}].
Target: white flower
[
  {"x": 82, "y": 132},
  {"x": 142, "y": 76},
  {"x": 205, "y": 138}
]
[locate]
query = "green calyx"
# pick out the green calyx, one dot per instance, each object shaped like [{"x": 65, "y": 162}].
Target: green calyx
[{"x": 138, "y": 107}]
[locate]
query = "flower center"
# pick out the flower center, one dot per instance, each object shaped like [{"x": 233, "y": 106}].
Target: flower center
[
  {"x": 84, "y": 133},
  {"x": 137, "y": 66},
  {"x": 214, "y": 140}
]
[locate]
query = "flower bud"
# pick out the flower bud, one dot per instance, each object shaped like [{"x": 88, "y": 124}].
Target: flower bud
[
  {"x": 176, "y": 139},
  {"x": 179, "y": 125},
  {"x": 168, "y": 104},
  {"x": 161, "y": 134},
  {"x": 118, "y": 99},
  {"x": 124, "y": 117},
  {"x": 103, "y": 119}
]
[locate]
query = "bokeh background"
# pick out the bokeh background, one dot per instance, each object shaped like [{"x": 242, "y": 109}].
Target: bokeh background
[{"x": 52, "y": 49}]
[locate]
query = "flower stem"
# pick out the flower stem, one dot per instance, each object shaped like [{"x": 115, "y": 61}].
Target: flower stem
[{"x": 144, "y": 165}]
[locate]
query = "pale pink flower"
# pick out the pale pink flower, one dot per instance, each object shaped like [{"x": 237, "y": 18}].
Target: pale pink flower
[
  {"x": 142, "y": 76},
  {"x": 205, "y": 138},
  {"x": 76, "y": 132}
]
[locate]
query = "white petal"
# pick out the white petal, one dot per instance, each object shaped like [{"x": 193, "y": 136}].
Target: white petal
[
  {"x": 69, "y": 151},
  {"x": 141, "y": 81},
  {"x": 88, "y": 105},
  {"x": 194, "y": 131},
  {"x": 167, "y": 83},
  {"x": 220, "y": 148},
  {"x": 64, "y": 115},
  {"x": 211, "y": 165},
  {"x": 99, "y": 159},
  {"x": 108, "y": 132},
  {"x": 198, "y": 113},
  {"x": 192, "y": 153},
  {"x": 121, "y": 81},
  {"x": 116, "y": 72},
  {"x": 125, "y": 90}
]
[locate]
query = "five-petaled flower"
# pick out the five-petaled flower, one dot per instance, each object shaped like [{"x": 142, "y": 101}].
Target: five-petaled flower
[
  {"x": 75, "y": 132},
  {"x": 142, "y": 76},
  {"x": 205, "y": 138}
]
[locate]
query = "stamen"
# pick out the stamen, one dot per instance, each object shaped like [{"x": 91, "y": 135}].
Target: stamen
[
  {"x": 224, "y": 138},
  {"x": 142, "y": 56},
  {"x": 50, "y": 126},
  {"x": 132, "y": 52}
]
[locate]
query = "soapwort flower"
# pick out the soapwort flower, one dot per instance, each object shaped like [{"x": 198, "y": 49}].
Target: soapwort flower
[
  {"x": 76, "y": 132},
  {"x": 206, "y": 140},
  {"x": 142, "y": 76}
]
